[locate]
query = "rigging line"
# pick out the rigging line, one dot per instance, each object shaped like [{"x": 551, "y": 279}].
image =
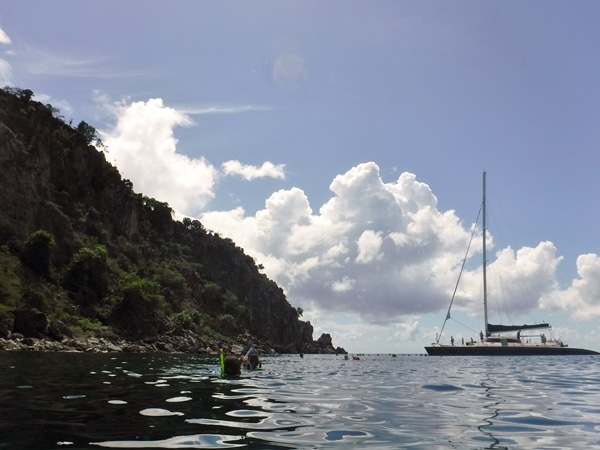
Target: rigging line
[
  {"x": 465, "y": 326},
  {"x": 460, "y": 273}
]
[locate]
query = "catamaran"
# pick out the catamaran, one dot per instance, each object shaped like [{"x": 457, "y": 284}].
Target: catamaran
[{"x": 496, "y": 340}]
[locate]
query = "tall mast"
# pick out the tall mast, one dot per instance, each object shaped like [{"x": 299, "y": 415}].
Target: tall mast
[{"x": 485, "y": 311}]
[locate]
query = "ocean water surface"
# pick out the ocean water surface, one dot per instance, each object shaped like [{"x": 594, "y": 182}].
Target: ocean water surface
[{"x": 94, "y": 401}]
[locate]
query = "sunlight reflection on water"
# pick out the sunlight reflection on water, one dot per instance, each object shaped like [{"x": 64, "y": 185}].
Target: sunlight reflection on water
[{"x": 177, "y": 401}]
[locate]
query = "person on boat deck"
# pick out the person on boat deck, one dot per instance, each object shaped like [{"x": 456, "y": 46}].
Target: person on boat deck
[
  {"x": 481, "y": 336},
  {"x": 452, "y": 340},
  {"x": 462, "y": 341},
  {"x": 519, "y": 335}
]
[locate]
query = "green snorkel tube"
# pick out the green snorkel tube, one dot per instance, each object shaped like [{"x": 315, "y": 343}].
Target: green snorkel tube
[{"x": 222, "y": 360}]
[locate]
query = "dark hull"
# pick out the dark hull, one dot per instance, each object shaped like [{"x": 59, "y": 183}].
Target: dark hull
[{"x": 499, "y": 350}]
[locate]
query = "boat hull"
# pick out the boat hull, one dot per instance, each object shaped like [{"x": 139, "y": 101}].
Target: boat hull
[{"x": 508, "y": 350}]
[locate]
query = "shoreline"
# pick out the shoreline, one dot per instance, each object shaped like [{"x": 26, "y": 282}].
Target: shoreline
[{"x": 184, "y": 342}]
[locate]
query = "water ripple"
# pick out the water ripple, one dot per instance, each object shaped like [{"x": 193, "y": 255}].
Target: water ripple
[
  {"x": 159, "y": 412},
  {"x": 194, "y": 441},
  {"x": 316, "y": 402}
]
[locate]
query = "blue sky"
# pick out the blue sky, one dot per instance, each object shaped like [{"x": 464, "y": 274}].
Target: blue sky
[{"x": 342, "y": 143}]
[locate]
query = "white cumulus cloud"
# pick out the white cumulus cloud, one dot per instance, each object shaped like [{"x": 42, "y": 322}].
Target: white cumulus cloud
[
  {"x": 343, "y": 285},
  {"x": 582, "y": 297},
  {"x": 143, "y": 146},
  {"x": 369, "y": 246},
  {"x": 5, "y": 67},
  {"x": 249, "y": 172},
  {"x": 4, "y": 39}
]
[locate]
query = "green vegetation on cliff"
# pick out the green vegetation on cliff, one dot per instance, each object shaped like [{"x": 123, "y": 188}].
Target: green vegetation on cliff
[{"x": 78, "y": 245}]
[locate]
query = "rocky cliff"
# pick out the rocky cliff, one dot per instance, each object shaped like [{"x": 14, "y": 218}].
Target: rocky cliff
[{"x": 82, "y": 249}]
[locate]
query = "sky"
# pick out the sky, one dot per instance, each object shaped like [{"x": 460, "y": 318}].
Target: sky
[{"x": 342, "y": 144}]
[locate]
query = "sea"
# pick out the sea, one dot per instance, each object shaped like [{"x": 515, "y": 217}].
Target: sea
[{"x": 74, "y": 401}]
